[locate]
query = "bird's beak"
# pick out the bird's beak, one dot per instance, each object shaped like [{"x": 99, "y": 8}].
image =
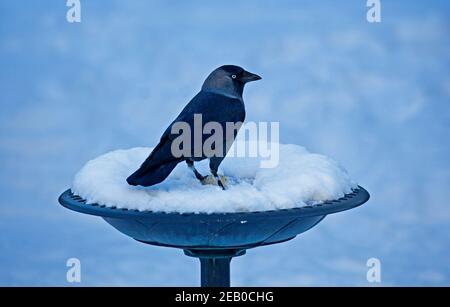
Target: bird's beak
[{"x": 249, "y": 77}]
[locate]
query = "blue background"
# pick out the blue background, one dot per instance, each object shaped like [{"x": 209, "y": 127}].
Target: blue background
[{"x": 375, "y": 97}]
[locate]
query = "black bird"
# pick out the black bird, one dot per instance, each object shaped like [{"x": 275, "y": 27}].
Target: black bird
[{"x": 220, "y": 100}]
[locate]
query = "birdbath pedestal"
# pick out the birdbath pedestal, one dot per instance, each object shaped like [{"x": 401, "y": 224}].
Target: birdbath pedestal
[{"x": 215, "y": 238}]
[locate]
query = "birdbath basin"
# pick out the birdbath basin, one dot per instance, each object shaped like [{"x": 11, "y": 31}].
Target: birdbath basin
[{"x": 215, "y": 238}]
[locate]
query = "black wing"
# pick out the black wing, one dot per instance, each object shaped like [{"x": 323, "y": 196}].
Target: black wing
[{"x": 213, "y": 108}]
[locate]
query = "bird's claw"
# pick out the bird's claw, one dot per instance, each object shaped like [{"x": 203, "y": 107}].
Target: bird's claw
[
  {"x": 208, "y": 180},
  {"x": 220, "y": 181}
]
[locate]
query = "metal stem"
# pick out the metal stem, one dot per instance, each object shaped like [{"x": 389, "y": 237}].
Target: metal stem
[
  {"x": 215, "y": 265},
  {"x": 215, "y": 272}
]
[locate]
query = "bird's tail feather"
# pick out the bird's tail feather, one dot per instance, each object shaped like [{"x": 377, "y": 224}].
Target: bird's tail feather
[
  {"x": 156, "y": 167},
  {"x": 148, "y": 174}
]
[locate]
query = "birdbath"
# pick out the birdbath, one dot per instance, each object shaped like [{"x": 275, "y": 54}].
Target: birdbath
[{"x": 215, "y": 238}]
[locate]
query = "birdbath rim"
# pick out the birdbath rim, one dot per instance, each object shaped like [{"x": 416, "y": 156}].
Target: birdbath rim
[{"x": 356, "y": 198}]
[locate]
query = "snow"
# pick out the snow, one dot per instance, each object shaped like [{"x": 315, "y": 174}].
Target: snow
[{"x": 300, "y": 178}]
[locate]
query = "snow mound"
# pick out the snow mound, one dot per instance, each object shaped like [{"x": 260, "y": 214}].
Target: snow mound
[{"x": 300, "y": 178}]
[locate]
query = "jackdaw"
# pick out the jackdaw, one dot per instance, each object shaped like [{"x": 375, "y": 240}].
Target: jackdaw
[{"x": 220, "y": 100}]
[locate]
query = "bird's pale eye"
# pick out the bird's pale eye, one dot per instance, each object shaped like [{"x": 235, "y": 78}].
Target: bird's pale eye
[{"x": 233, "y": 76}]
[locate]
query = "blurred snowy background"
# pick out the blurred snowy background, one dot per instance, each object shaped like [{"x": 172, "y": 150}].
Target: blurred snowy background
[{"x": 375, "y": 97}]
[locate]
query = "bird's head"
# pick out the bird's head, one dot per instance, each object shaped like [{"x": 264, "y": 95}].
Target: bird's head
[{"x": 229, "y": 80}]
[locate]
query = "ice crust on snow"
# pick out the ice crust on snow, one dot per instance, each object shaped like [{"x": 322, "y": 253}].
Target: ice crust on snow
[{"x": 301, "y": 178}]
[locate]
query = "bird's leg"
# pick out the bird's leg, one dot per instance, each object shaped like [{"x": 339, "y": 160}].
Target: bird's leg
[
  {"x": 214, "y": 163},
  {"x": 199, "y": 176},
  {"x": 219, "y": 181}
]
